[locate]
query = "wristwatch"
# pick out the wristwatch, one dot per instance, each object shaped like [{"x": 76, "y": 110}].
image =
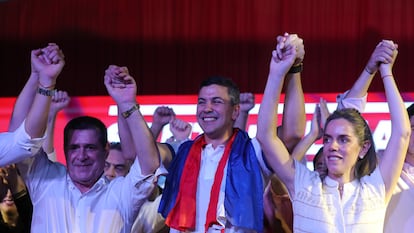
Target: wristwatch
[{"x": 46, "y": 92}]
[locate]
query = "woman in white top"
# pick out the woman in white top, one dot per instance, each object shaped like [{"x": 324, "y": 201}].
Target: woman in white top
[{"x": 354, "y": 194}]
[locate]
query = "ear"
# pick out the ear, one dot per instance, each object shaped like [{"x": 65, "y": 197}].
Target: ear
[
  {"x": 364, "y": 149},
  {"x": 106, "y": 150},
  {"x": 236, "y": 112}
]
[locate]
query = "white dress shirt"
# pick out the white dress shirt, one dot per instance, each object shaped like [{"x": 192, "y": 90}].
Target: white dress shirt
[
  {"x": 59, "y": 206},
  {"x": 16, "y": 146}
]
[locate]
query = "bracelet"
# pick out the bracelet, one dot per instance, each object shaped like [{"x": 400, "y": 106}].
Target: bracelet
[
  {"x": 369, "y": 72},
  {"x": 47, "y": 87},
  {"x": 296, "y": 69},
  {"x": 46, "y": 92},
  {"x": 387, "y": 75},
  {"x": 128, "y": 112}
]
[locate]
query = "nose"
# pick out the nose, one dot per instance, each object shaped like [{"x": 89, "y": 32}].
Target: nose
[
  {"x": 110, "y": 172},
  {"x": 333, "y": 145},
  {"x": 83, "y": 154},
  {"x": 208, "y": 107}
]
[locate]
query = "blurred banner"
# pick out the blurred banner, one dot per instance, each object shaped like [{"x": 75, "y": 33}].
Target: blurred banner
[{"x": 104, "y": 108}]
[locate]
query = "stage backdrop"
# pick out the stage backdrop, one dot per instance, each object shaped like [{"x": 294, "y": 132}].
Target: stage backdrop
[
  {"x": 171, "y": 45},
  {"x": 104, "y": 108}
]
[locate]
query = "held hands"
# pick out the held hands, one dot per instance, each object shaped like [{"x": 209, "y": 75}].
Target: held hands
[
  {"x": 384, "y": 53},
  {"x": 47, "y": 62},
  {"x": 120, "y": 85},
  {"x": 386, "y": 67},
  {"x": 293, "y": 40},
  {"x": 285, "y": 54}
]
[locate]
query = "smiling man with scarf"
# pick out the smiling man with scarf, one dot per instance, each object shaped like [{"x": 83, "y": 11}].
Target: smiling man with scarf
[{"x": 215, "y": 182}]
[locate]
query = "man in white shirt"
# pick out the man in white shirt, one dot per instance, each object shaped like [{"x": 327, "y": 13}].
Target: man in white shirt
[{"x": 79, "y": 197}]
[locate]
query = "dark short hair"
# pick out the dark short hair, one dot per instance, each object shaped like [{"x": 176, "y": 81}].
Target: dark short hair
[
  {"x": 232, "y": 89},
  {"x": 316, "y": 157},
  {"x": 115, "y": 146},
  {"x": 366, "y": 165},
  {"x": 84, "y": 123},
  {"x": 410, "y": 110}
]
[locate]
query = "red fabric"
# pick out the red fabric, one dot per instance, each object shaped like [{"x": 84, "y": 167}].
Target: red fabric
[
  {"x": 215, "y": 190},
  {"x": 182, "y": 215}
]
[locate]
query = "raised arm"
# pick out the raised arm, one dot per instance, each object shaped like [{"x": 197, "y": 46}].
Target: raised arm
[
  {"x": 394, "y": 154},
  {"x": 314, "y": 134},
  {"x": 122, "y": 87},
  {"x": 181, "y": 131},
  {"x": 246, "y": 104},
  {"x": 60, "y": 100},
  {"x": 162, "y": 116},
  {"x": 276, "y": 153},
  {"x": 294, "y": 120},
  {"x": 34, "y": 101},
  {"x": 356, "y": 96}
]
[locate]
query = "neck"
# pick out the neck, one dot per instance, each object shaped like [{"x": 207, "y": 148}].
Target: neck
[
  {"x": 342, "y": 178},
  {"x": 217, "y": 141}
]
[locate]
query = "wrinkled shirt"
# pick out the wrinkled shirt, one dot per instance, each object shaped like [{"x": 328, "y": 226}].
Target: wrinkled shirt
[
  {"x": 59, "y": 206},
  {"x": 16, "y": 146},
  {"x": 317, "y": 204}
]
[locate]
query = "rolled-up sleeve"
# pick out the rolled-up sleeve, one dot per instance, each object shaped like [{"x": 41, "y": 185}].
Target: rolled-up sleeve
[
  {"x": 357, "y": 103},
  {"x": 17, "y": 146}
]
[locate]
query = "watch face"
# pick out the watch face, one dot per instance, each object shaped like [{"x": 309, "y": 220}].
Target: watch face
[
  {"x": 46, "y": 92},
  {"x": 128, "y": 112}
]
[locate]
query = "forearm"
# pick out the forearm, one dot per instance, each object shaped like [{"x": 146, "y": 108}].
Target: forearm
[
  {"x": 303, "y": 146},
  {"x": 143, "y": 140},
  {"x": 156, "y": 130},
  {"x": 294, "y": 120},
  {"x": 127, "y": 143},
  {"x": 394, "y": 154},
  {"x": 241, "y": 121},
  {"x": 361, "y": 85},
  {"x": 36, "y": 120},
  {"x": 267, "y": 117},
  {"x": 23, "y": 102},
  {"x": 48, "y": 144}
]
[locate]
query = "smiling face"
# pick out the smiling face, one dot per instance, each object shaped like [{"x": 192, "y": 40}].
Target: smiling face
[
  {"x": 215, "y": 112},
  {"x": 85, "y": 158},
  {"x": 341, "y": 149}
]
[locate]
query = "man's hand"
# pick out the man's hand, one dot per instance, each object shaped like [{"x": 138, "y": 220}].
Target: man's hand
[
  {"x": 163, "y": 115},
  {"x": 48, "y": 62},
  {"x": 60, "y": 101},
  {"x": 246, "y": 101}
]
